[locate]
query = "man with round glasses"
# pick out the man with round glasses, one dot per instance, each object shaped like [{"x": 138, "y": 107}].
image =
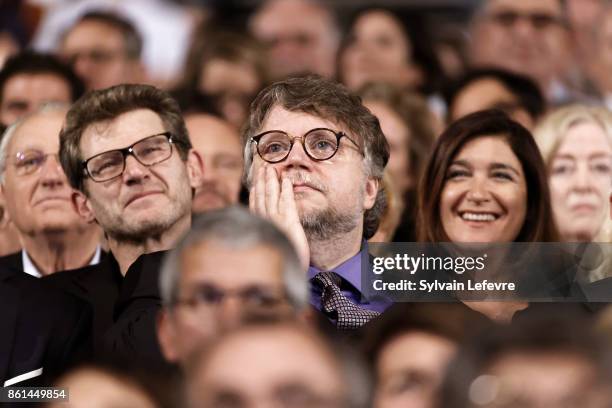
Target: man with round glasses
[
  {"x": 38, "y": 198},
  {"x": 127, "y": 152},
  {"x": 314, "y": 158}
]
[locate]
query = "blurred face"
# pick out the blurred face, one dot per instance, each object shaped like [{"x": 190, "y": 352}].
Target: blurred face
[
  {"x": 523, "y": 36},
  {"x": 144, "y": 201},
  {"x": 331, "y": 194},
  {"x": 220, "y": 149},
  {"x": 97, "y": 53},
  {"x": 267, "y": 367},
  {"x": 398, "y": 137},
  {"x": 488, "y": 93},
  {"x": 24, "y": 93},
  {"x": 484, "y": 198},
  {"x": 300, "y": 35},
  {"x": 410, "y": 370},
  {"x": 37, "y": 193},
  {"x": 544, "y": 380},
  {"x": 378, "y": 49},
  {"x": 216, "y": 292},
  {"x": 234, "y": 84},
  {"x": 580, "y": 180},
  {"x": 93, "y": 389}
]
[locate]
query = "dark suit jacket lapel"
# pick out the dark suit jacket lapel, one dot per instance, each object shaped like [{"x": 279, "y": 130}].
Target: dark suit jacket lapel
[{"x": 9, "y": 305}]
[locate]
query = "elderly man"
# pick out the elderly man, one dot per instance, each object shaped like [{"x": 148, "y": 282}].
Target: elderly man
[
  {"x": 314, "y": 159},
  {"x": 104, "y": 49},
  {"x": 528, "y": 37},
  {"x": 126, "y": 150},
  {"x": 219, "y": 145},
  {"x": 232, "y": 266},
  {"x": 39, "y": 198},
  {"x": 302, "y": 35}
]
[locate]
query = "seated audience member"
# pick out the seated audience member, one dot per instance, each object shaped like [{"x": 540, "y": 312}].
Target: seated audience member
[
  {"x": 273, "y": 364},
  {"x": 527, "y": 37},
  {"x": 218, "y": 143},
  {"x": 227, "y": 66},
  {"x": 42, "y": 331},
  {"x": 410, "y": 129},
  {"x": 546, "y": 360},
  {"x": 38, "y": 198},
  {"x": 378, "y": 48},
  {"x": 302, "y": 36},
  {"x": 97, "y": 387},
  {"x": 486, "y": 183},
  {"x": 325, "y": 190},
  {"x": 392, "y": 216},
  {"x": 601, "y": 64},
  {"x": 492, "y": 88},
  {"x": 576, "y": 143},
  {"x": 232, "y": 265},
  {"x": 104, "y": 49},
  {"x": 409, "y": 348},
  {"x": 127, "y": 151},
  {"x": 28, "y": 80}
]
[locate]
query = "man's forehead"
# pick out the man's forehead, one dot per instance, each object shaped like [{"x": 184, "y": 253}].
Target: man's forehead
[
  {"x": 38, "y": 132},
  {"x": 527, "y": 6},
  {"x": 279, "y": 118},
  {"x": 121, "y": 131}
]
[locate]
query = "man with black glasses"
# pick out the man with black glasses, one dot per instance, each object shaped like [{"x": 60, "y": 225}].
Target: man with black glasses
[
  {"x": 314, "y": 159},
  {"x": 127, "y": 152}
]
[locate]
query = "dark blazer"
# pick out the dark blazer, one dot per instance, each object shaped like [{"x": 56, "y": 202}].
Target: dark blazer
[
  {"x": 12, "y": 261},
  {"x": 125, "y": 309},
  {"x": 40, "y": 328}
]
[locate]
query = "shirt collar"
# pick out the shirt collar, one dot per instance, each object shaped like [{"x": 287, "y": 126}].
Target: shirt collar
[
  {"x": 349, "y": 270},
  {"x": 31, "y": 269}
]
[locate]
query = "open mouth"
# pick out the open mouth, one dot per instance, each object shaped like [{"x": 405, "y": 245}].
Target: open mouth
[{"x": 478, "y": 216}]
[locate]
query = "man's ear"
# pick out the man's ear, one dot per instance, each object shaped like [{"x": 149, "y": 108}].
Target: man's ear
[
  {"x": 195, "y": 168},
  {"x": 371, "y": 190},
  {"x": 82, "y": 206},
  {"x": 166, "y": 336}
]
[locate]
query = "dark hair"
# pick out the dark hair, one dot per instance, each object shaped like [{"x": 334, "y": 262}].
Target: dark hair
[
  {"x": 32, "y": 63},
  {"x": 132, "y": 39},
  {"x": 416, "y": 31},
  {"x": 106, "y": 104},
  {"x": 332, "y": 101},
  {"x": 547, "y": 331},
  {"x": 452, "y": 321},
  {"x": 525, "y": 90},
  {"x": 539, "y": 223}
]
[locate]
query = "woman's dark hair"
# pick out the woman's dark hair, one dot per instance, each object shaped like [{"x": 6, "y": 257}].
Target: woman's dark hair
[{"x": 538, "y": 225}]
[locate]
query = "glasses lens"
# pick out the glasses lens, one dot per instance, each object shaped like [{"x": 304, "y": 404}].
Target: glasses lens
[
  {"x": 321, "y": 143},
  {"x": 105, "y": 166},
  {"x": 152, "y": 150},
  {"x": 274, "y": 146},
  {"x": 29, "y": 162}
]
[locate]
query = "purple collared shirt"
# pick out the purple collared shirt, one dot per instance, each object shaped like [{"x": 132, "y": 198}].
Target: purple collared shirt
[{"x": 350, "y": 271}]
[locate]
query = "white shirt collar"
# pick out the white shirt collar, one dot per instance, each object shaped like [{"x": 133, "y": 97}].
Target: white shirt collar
[{"x": 30, "y": 269}]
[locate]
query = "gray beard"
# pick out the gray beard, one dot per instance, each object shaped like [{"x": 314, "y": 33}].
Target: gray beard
[
  {"x": 324, "y": 225},
  {"x": 152, "y": 230}
]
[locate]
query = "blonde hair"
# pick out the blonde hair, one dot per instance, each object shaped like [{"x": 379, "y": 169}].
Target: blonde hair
[{"x": 551, "y": 131}]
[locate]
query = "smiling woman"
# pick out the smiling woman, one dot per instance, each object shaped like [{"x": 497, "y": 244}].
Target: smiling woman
[{"x": 485, "y": 179}]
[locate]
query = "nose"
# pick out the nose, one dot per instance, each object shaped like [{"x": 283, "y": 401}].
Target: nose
[
  {"x": 230, "y": 312},
  {"x": 52, "y": 174},
  {"x": 583, "y": 178},
  {"x": 297, "y": 157},
  {"x": 134, "y": 171},
  {"x": 478, "y": 191}
]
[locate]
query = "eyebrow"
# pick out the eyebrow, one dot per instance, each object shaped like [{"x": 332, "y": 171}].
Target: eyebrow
[
  {"x": 492, "y": 166},
  {"x": 596, "y": 155}
]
